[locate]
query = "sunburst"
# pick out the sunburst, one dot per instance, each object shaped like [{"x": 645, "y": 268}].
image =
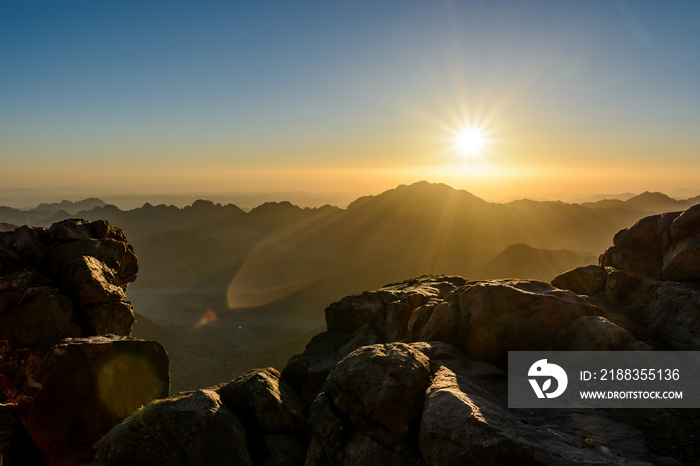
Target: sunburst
[{"x": 470, "y": 141}]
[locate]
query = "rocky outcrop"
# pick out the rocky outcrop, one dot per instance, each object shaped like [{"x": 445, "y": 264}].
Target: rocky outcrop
[
  {"x": 387, "y": 314},
  {"x": 16, "y": 445},
  {"x": 485, "y": 319},
  {"x": 69, "y": 370},
  {"x": 661, "y": 247},
  {"x": 65, "y": 281},
  {"x": 506, "y": 315},
  {"x": 652, "y": 273}
]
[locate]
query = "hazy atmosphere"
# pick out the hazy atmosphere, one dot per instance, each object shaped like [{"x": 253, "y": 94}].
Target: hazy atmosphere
[
  {"x": 349, "y": 232},
  {"x": 566, "y": 99}
]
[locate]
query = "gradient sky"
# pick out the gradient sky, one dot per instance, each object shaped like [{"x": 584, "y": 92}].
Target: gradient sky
[{"x": 576, "y": 97}]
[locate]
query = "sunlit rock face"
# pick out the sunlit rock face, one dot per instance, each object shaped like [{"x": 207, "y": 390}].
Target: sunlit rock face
[
  {"x": 69, "y": 369},
  {"x": 485, "y": 319}
]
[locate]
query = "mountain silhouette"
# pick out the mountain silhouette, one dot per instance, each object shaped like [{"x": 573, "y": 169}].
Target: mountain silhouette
[
  {"x": 72, "y": 207},
  {"x": 523, "y": 261},
  {"x": 275, "y": 266},
  {"x": 653, "y": 202}
]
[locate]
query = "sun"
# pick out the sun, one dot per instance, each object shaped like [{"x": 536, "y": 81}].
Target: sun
[{"x": 470, "y": 141}]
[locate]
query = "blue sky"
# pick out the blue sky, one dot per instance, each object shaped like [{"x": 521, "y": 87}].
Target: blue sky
[{"x": 349, "y": 95}]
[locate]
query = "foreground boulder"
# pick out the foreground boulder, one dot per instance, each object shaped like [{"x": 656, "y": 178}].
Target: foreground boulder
[
  {"x": 465, "y": 421},
  {"x": 89, "y": 385},
  {"x": 189, "y": 429},
  {"x": 370, "y": 407},
  {"x": 256, "y": 418},
  {"x": 69, "y": 370}
]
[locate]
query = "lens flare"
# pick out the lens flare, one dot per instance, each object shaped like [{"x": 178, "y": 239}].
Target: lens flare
[
  {"x": 126, "y": 382},
  {"x": 208, "y": 318}
]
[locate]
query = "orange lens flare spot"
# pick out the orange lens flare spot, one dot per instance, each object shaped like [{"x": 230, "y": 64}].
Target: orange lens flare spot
[{"x": 208, "y": 317}]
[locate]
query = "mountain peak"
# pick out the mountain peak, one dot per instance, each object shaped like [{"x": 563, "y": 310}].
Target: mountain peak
[
  {"x": 428, "y": 187},
  {"x": 653, "y": 195},
  {"x": 421, "y": 194},
  {"x": 652, "y": 200},
  {"x": 275, "y": 209},
  {"x": 202, "y": 204}
]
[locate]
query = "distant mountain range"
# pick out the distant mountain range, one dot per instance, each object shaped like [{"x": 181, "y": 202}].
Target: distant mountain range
[
  {"x": 278, "y": 248},
  {"x": 72, "y": 207},
  {"x": 45, "y": 214},
  {"x": 280, "y": 262},
  {"x": 645, "y": 202}
]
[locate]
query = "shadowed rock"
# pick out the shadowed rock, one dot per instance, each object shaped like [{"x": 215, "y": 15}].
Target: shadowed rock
[
  {"x": 60, "y": 289},
  {"x": 272, "y": 414},
  {"x": 35, "y": 316},
  {"x": 381, "y": 384},
  {"x": 55, "y": 280},
  {"x": 307, "y": 372},
  {"x": 190, "y": 429},
  {"x": 89, "y": 385},
  {"x": 255, "y": 418},
  {"x": 377, "y": 392},
  {"x": 596, "y": 333}
]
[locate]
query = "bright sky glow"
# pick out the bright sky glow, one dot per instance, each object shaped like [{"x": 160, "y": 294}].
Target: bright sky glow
[
  {"x": 470, "y": 142},
  {"x": 149, "y": 96}
]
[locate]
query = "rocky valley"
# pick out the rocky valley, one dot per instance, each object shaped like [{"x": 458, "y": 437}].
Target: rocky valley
[
  {"x": 413, "y": 372},
  {"x": 266, "y": 273}
]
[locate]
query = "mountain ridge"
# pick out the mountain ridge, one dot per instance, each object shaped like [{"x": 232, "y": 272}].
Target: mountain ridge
[
  {"x": 423, "y": 192},
  {"x": 217, "y": 256},
  {"x": 72, "y": 207},
  {"x": 87, "y": 204}
]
